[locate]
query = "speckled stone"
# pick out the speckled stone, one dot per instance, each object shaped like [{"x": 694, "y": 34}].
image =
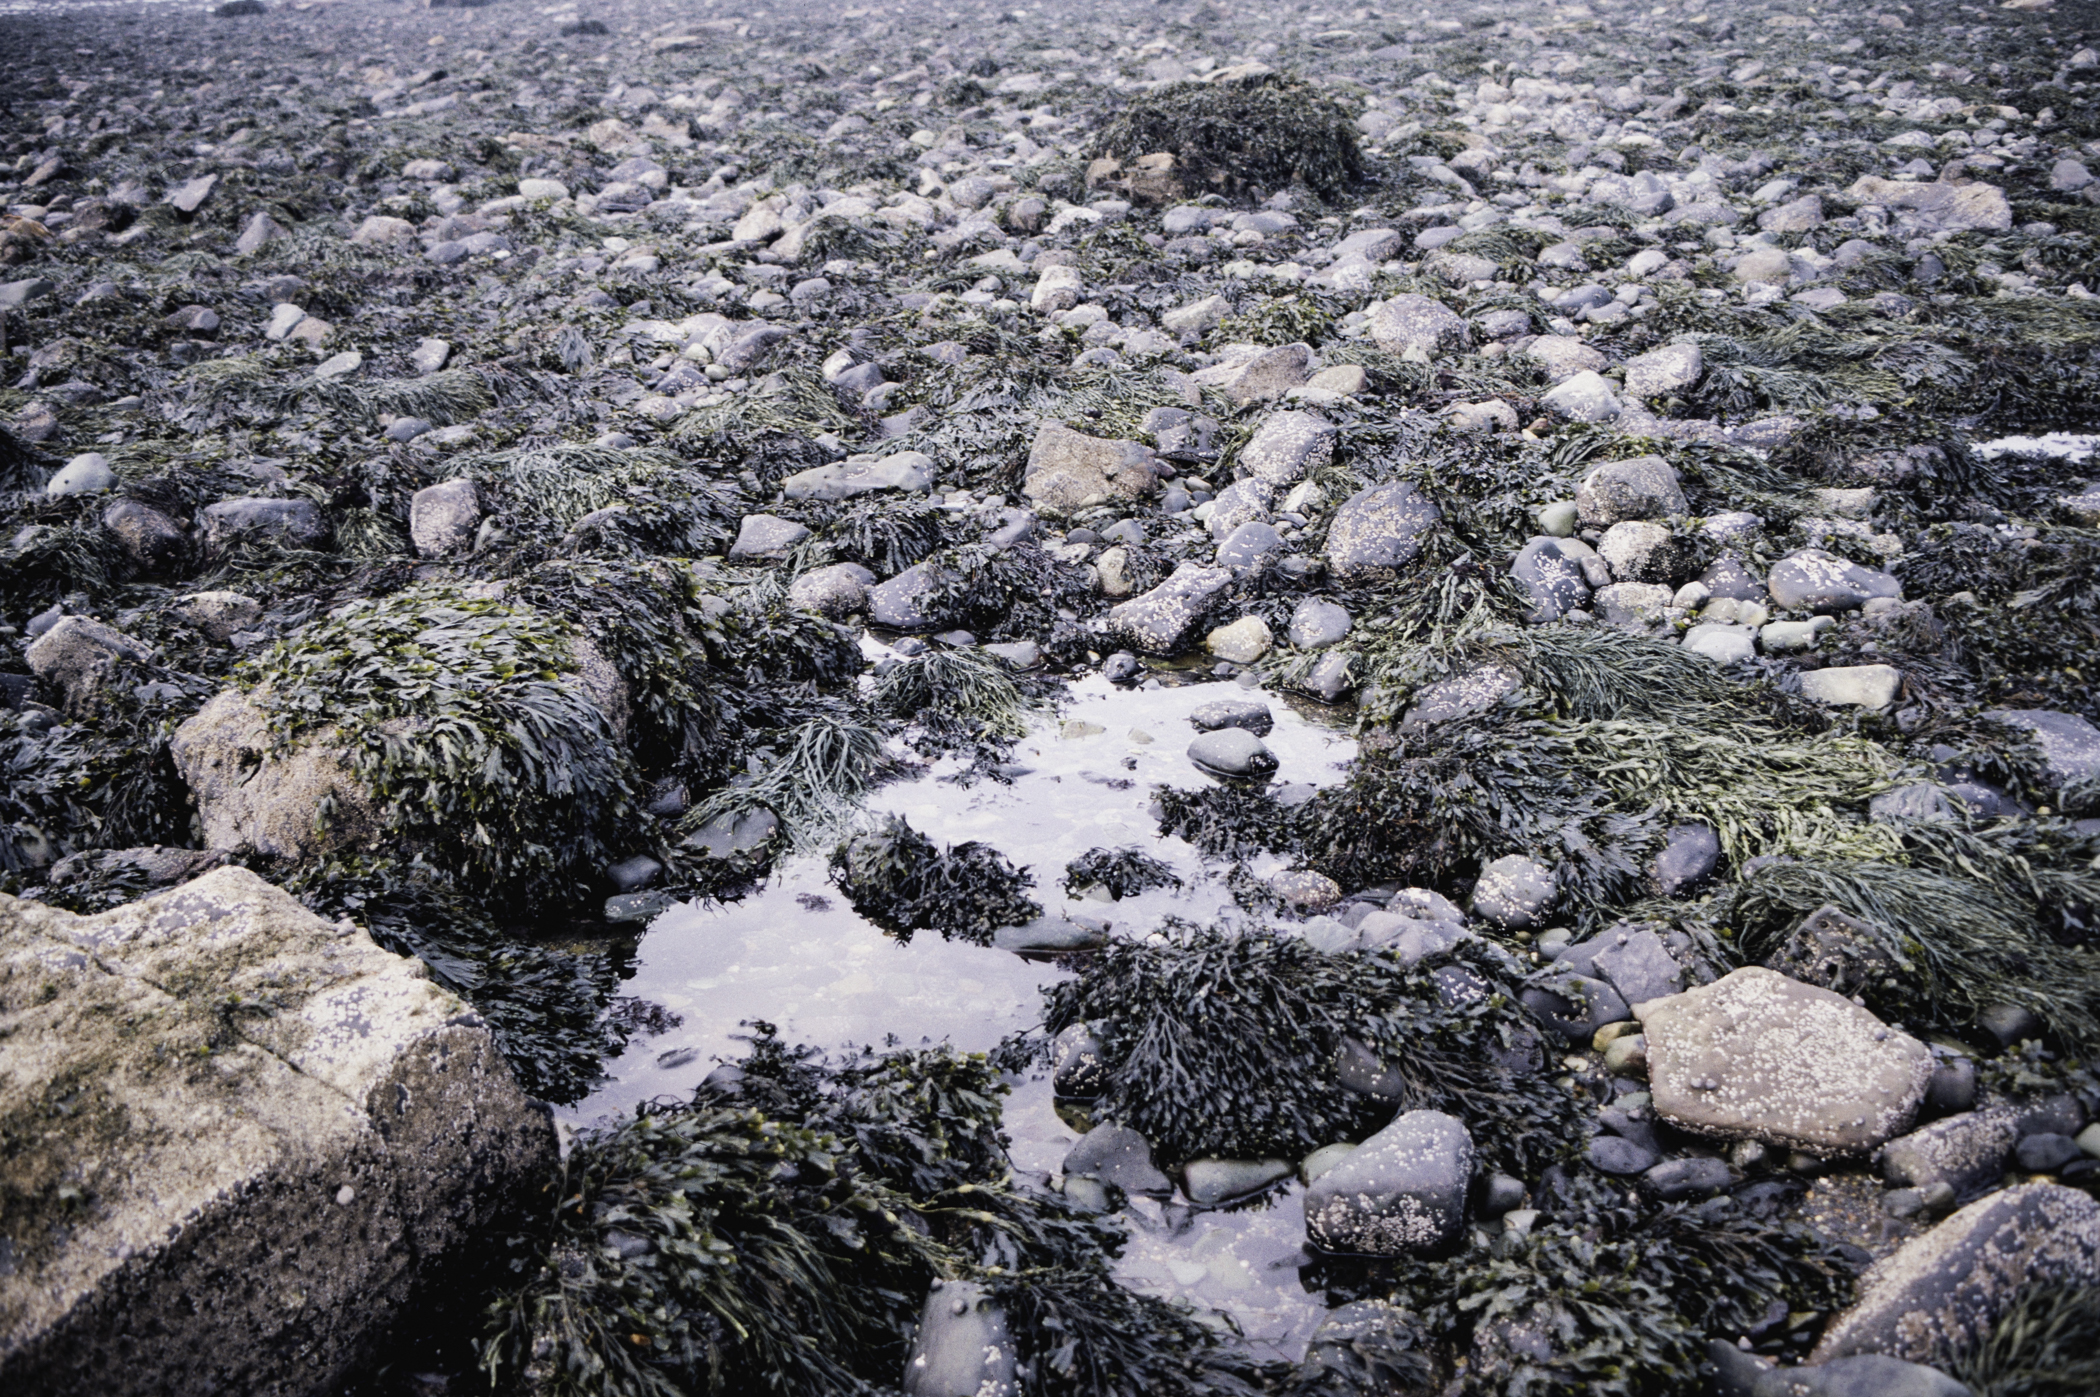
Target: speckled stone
[
  {"x": 1402, "y": 1193},
  {"x": 1966, "y": 1152},
  {"x": 1758, "y": 1056},
  {"x": 1939, "y": 1293}
]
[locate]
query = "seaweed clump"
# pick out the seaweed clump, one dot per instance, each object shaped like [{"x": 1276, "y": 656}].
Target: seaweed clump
[
  {"x": 780, "y": 1230},
  {"x": 1121, "y": 873},
  {"x": 897, "y": 878},
  {"x": 1217, "y": 1043},
  {"x": 1240, "y": 136},
  {"x": 2046, "y": 1343}
]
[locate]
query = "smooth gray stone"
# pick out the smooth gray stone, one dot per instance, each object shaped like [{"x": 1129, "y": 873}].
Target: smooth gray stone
[
  {"x": 1676, "y": 1180},
  {"x": 1613, "y": 1154},
  {"x": 1690, "y": 854},
  {"x": 1233, "y": 752},
  {"x": 1116, "y": 1154},
  {"x": 1249, "y": 545},
  {"x": 1213, "y": 1181},
  {"x": 633, "y": 875},
  {"x": 1403, "y": 1191},
  {"x": 964, "y": 1346},
  {"x": 1250, "y": 714},
  {"x": 1317, "y": 624},
  {"x": 1812, "y": 580},
  {"x": 1574, "y": 1005}
]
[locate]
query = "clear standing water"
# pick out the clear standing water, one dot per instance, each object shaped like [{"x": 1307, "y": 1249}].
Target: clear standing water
[{"x": 795, "y": 954}]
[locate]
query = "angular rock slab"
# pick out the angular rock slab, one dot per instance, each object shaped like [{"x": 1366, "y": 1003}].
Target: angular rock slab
[
  {"x": 1938, "y": 1294},
  {"x": 1757, "y": 1056},
  {"x": 271, "y": 1124},
  {"x": 1402, "y": 1192},
  {"x": 1161, "y": 619}
]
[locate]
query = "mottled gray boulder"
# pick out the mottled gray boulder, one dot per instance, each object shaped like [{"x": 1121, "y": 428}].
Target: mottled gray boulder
[
  {"x": 267, "y": 1190},
  {"x": 1417, "y": 322},
  {"x": 1331, "y": 677},
  {"x": 1232, "y": 752},
  {"x": 74, "y": 657},
  {"x": 1633, "y": 606},
  {"x": 1966, "y": 1152},
  {"x": 837, "y": 590},
  {"x": 443, "y": 518},
  {"x": 1727, "y": 577},
  {"x": 1744, "y": 1374},
  {"x": 911, "y": 472},
  {"x": 295, "y": 523},
  {"x": 1116, "y": 1154},
  {"x": 2070, "y": 744},
  {"x": 1159, "y": 621},
  {"x": 1938, "y": 1294},
  {"x": 1262, "y": 377},
  {"x": 1069, "y": 471},
  {"x": 963, "y": 1347},
  {"x": 1564, "y": 356},
  {"x": 1813, "y": 580},
  {"x": 1401, "y": 1193},
  {"x": 1640, "y": 550},
  {"x": 1757, "y": 1056},
  {"x": 219, "y": 614},
  {"x": 150, "y": 539},
  {"x": 1317, "y": 624},
  {"x": 1514, "y": 891},
  {"x": 1659, "y": 372},
  {"x": 1553, "y": 578},
  {"x": 1377, "y": 529},
  {"x": 1680, "y": 1180},
  {"x": 1646, "y": 487},
  {"x": 766, "y": 536},
  {"x": 253, "y": 791},
  {"x": 1938, "y": 207},
  {"x": 1288, "y": 447},
  {"x": 1853, "y": 686}
]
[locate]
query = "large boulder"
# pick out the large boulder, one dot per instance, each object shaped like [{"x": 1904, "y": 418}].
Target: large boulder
[
  {"x": 1402, "y": 1192},
  {"x": 1646, "y": 487},
  {"x": 1069, "y": 471},
  {"x": 1813, "y": 580},
  {"x": 443, "y": 518},
  {"x": 1938, "y": 207},
  {"x": 1418, "y": 322},
  {"x": 1937, "y": 1295},
  {"x": 256, "y": 792},
  {"x": 1377, "y": 529},
  {"x": 239, "y": 1137},
  {"x": 1757, "y": 1056}
]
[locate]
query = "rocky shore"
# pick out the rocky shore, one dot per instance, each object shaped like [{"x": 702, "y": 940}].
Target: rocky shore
[{"x": 476, "y": 478}]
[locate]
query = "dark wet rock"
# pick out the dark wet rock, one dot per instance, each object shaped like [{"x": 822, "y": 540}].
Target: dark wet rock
[
  {"x": 1936, "y": 1295},
  {"x": 1475, "y": 691},
  {"x": 1744, "y": 1374},
  {"x": 734, "y": 832},
  {"x": 910, "y": 601},
  {"x": 150, "y": 539},
  {"x": 1758, "y": 1056},
  {"x": 1680, "y": 1180},
  {"x": 1317, "y": 624},
  {"x": 2010, "y": 1024},
  {"x": 1250, "y": 545},
  {"x": 1835, "y": 950},
  {"x": 1514, "y": 891},
  {"x": 1727, "y": 577},
  {"x": 295, "y": 523},
  {"x": 763, "y": 536},
  {"x": 1076, "y": 1063},
  {"x": 1633, "y": 960},
  {"x": 1116, "y": 1154},
  {"x": 1572, "y": 1004},
  {"x": 1402, "y": 1192},
  {"x": 1613, "y": 1155},
  {"x": 1689, "y": 856}
]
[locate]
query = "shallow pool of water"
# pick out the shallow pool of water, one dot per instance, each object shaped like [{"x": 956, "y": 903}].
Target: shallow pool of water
[{"x": 794, "y": 953}]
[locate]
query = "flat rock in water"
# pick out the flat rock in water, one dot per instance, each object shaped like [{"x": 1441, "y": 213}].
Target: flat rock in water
[
  {"x": 1757, "y": 1056},
  {"x": 1233, "y": 751},
  {"x": 1116, "y": 1154},
  {"x": 368, "y": 1105},
  {"x": 1212, "y": 1181},
  {"x": 1251, "y": 714}
]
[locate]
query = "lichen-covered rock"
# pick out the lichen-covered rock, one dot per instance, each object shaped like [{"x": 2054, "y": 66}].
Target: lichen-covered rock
[
  {"x": 1938, "y": 1294},
  {"x": 1402, "y": 1193},
  {"x": 1646, "y": 487},
  {"x": 1417, "y": 322},
  {"x": 1757, "y": 1056},
  {"x": 75, "y": 655},
  {"x": 1070, "y": 471},
  {"x": 1288, "y": 447},
  {"x": 239, "y": 1138},
  {"x": 254, "y": 792},
  {"x": 442, "y": 518}
]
